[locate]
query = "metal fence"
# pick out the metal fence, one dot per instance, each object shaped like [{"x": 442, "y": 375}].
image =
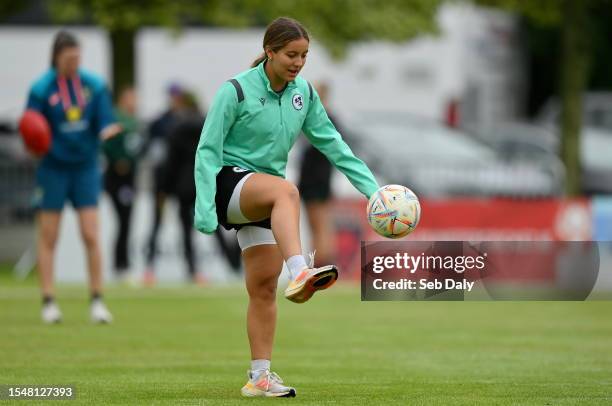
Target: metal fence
[{"x": 17, "y": 188}]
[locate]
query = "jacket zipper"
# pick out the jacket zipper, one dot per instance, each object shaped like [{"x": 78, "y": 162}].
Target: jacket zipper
[{"x": 280, "y": 109}]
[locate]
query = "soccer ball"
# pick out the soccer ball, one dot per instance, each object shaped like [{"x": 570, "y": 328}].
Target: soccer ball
[{"x": 394, "y": 211}]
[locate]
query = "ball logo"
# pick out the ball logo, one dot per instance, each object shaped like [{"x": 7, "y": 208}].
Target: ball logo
[{"x": 297, "y": 101}]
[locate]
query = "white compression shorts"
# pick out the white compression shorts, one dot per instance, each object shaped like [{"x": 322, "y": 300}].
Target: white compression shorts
[{"x": 248, "y": 236}]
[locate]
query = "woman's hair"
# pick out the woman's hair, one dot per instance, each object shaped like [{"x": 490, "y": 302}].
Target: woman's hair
[
  {"x": 278, "y": 34},
  {"x": 63, "y": 40},
  {"x": 191, "y": 101}
]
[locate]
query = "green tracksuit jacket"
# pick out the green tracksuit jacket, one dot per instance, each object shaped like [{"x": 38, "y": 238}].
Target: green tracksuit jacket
[{"x": 256, "y": 129}]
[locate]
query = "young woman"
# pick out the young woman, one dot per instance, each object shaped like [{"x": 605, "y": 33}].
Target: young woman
[
  {"x": 78, "y": 107},
  {"x": 121, "y": 154},
  {"x": 252, "y": 124}
]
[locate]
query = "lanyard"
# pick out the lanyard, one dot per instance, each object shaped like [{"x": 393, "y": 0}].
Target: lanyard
[{"x": 65, "y": 94}]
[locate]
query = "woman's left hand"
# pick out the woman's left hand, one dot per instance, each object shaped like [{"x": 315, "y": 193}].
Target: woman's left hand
[{"x": 110, "y": 131}]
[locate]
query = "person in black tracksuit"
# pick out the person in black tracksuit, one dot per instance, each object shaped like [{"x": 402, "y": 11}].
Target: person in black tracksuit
[
  {"x": 315, "y": 190},
  {"x": 157, "y": 149},
  {"x": 179, "y": 182}
]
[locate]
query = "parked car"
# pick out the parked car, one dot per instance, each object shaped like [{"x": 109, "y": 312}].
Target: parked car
[
  {"x": 596, "y": 111},
  {"x": 595, "y": 141},
  {"x": 435, "y": 160},
  {"x": 535, "y": 142},
  {"x": 522, "y": 141},
  {"x": 17, "y": 177}
]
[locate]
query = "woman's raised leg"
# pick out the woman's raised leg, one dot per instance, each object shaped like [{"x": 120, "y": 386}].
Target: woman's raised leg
[{"x": 265, "y": 196}]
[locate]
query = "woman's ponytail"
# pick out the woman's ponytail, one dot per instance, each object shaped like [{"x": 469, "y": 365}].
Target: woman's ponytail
[{"x": 259, "y": 60}]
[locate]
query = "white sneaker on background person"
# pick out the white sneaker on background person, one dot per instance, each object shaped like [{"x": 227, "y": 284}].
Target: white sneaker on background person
[
  {"x": 100, "y": 313},
  {"x": 51, "y": 313}
]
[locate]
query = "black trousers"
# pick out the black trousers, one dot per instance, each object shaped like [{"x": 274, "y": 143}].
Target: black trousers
[
  {"x": 231, "y": 251},
  {"x": 158, "y": 207},
  {"x": 120, "y": 188},
  {"x": 186, "y": 216}
]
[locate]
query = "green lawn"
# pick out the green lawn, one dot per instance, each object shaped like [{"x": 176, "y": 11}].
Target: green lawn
[{"x": 188, "y": 345}]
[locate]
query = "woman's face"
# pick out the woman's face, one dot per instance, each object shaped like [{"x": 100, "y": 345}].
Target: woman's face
[
  {"x": 128, "y": 101},
  {"x": 68, "y": 60},
  {"x": 287, "y": 62}
]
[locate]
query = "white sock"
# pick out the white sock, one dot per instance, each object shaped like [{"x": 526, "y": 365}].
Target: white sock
[
  {"x": 258, "y": 366},
  {"x": 296, "y": 264}
]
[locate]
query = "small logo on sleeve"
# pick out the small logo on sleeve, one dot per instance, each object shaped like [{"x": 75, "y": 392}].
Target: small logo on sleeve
[{"x": 262, "y": 100}]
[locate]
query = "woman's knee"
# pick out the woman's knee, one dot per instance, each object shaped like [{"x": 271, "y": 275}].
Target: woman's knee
[
  {"x": 89, "y": 236},
  {"x": 263, "y": 265},
  {"x": 287, "y": 193},
  {"x": 88, "y": 222},
  {"x": 291, "y": 192},
  {"x": 48, "y": 238},
  {"x": 264, "y": 291},
  {"x": 49, "y": 224}
]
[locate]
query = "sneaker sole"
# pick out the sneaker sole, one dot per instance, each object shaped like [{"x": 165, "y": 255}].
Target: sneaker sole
[
  {"x": 50, "y": 322},
  {"x": 247, "y": 393},
  {"x": 320, "y": 281},
  {"x": 101, "y": 321}
]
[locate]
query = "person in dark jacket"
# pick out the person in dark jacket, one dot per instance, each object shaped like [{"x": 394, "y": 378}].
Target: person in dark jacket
[
  {"x": 179, "y": 183},
  {"x": 315, "y": 190},
  {"x": 157, "y": 150}
]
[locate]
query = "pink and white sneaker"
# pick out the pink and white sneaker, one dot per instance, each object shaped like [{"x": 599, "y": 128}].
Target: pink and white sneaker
[
  {"x": 266, "y": 384},
  {"x": 309, "y": 281}
]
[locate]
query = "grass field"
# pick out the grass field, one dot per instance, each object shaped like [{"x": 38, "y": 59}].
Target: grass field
[{"x": 188, "y": 345}]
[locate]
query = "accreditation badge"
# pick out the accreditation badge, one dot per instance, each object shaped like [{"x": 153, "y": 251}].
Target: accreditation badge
[{"x": 73, "y": 113}]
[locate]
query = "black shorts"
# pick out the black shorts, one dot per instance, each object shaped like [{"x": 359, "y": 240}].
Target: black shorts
[
  {"x": 227, "y": 179},
  {"x": 315, "y": 176}
]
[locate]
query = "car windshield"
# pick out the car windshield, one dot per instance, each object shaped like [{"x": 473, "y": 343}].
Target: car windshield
[
  {"x": 599, "y": 118},
  {"x": 419, "y": 139}
]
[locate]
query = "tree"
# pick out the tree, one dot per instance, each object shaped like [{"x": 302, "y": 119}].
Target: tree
[
  {"x": 335, "y": 23},
  {"x": 9, "y": 8},
  {"x": 572, "y": 19}
]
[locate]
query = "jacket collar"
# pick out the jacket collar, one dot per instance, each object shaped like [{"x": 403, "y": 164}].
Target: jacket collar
[{"x": 264, "y": 77}]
